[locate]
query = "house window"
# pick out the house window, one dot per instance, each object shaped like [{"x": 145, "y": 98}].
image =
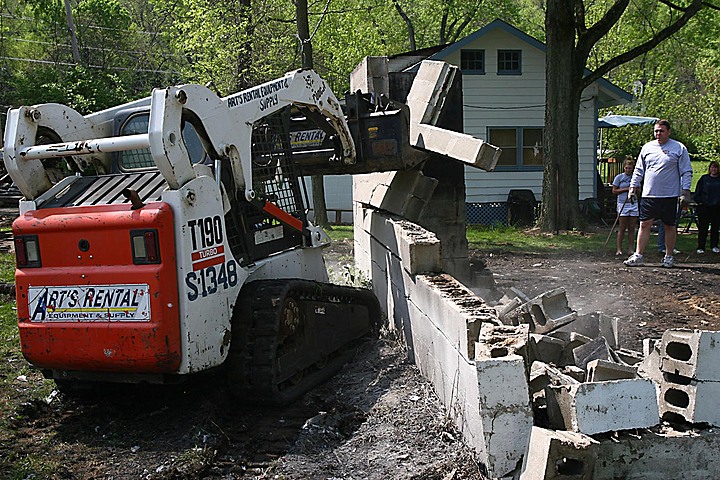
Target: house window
[
  {"x": 521, "y": 147},
  {"x": 472, "y": 61},
  {"x": 509, "y": 62}
]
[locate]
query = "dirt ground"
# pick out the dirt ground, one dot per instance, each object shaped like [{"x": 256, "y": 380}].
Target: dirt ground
[{"x": 377, "y": 419}]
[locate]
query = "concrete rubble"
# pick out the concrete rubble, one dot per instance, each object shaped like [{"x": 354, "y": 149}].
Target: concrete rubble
[
  {"x": 539, "y": 391},
  {"x": 533, "y": 396}
]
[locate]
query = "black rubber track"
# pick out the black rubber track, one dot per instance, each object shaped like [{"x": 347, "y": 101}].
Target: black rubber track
[{"x": 290, "y": 335}]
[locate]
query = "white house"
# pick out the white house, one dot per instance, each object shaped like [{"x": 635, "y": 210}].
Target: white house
[
  {"x": 503, "y": 74},
  {"x": 504, "y": 103}
]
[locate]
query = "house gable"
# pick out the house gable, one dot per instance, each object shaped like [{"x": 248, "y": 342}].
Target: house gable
[{"x": 505, "y": 103}]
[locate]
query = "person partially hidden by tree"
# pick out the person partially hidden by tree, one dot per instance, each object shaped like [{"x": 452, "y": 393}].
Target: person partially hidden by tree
[
  {"x": 665, "y": 173},
  {"x": 627, "y": 208},
  {"x": 707, "y": 197}
]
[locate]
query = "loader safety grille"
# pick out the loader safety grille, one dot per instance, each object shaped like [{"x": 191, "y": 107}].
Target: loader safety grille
[
  {"x": 253, "y": 233},
  {"x": 103, "y": 189}
]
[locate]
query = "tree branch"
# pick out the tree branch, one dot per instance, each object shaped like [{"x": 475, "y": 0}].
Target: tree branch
[
  {"x": 588, "y": 38},
  {"x": 408, "y": 22},
  {"x": 662, "y": 35}
]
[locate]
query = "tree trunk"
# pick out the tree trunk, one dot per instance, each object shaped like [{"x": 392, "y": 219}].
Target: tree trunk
[
  {"x": 560, "y": 208},
  {"x": 320, "y": 217},
  {"x": 303, "y": 27}
]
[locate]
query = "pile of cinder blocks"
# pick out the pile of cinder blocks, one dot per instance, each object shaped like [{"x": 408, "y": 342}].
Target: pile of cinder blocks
[
  {"x": 583, "y": 386},
  {"x": 539, "y": 390}
]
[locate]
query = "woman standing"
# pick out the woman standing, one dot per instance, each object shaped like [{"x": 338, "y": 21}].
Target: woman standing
[
  {"x": 707, "y": 197},
  {"x": 627, "y": 209}
]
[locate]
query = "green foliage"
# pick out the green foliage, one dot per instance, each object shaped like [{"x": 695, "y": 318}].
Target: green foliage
[
  {"x": 86, "y": 90},
  {"x": 129, "y": 46},
  {"x": 677, "y": 80},
  {"x": 216, "y": 38}
]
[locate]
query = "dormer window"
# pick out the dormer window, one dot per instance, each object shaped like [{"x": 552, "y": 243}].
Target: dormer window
[
  {"x": 509, "y": 62},
  {"x": 472, "y": 62}
]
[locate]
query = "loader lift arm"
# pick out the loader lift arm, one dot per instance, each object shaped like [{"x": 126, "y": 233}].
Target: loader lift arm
[{"x": 227, "y": 124}]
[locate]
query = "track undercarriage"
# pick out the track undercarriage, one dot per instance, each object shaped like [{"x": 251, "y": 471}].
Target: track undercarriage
[{"x": 291, "y": 335}]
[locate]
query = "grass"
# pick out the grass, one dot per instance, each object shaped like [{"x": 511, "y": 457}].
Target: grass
[
  {"x": 340, "y": 232},
  {"x": 517, "y": 240},
  {"x": 513, "y": 239}
]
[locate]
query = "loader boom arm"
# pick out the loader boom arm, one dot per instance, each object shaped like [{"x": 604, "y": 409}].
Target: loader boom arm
[{"x": 227, "y": 123}]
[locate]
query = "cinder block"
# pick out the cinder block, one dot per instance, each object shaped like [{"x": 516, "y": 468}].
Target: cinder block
[
  {"x": 506, "y": 309},
  {"x": 444, "y": 300},
  {"x": 516, "y": 292},
  {"x": 599, "y": 407},
  {"x": 546, "y": 312},
  {"x": 459, "y": 146},
  {"x": 602, "y": 370},
  {"x": 572, "y": 341},
  {"x": 689, "y": 454},
  {"x": 575, "y": 372},
  {"x": 692, "y": 400},
  {"x": 371, "y": 76},
  {"x": 504, "y": 406},
  {"x": 596, "y": 324},
  {"x": 500, "y": 341},
  {"x": 542, "y": 375},
  {"x": 629, "y": 357},
  {"x": 649, "y": 345},
  {"x": 692, "y": 353},
  {"x": 649, "y": 367},
  {"x": 404, "y": 193},
  {"x": 544, "y": 348},
  {"x": 597, "y": 349},
  {"x": 559, "y": 455},
  {"x": 419, "y": 249}
]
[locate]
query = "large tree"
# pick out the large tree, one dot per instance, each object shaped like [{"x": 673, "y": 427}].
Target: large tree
[{"x": 570, "y": 39}]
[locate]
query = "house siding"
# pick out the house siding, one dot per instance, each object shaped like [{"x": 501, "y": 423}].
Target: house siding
[{"x": 493, "y": 100}]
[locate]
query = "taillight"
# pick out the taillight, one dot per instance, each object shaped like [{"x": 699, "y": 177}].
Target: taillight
[
  {"x": 27, "y": 251},
  {"x": 145, "y": 247}
]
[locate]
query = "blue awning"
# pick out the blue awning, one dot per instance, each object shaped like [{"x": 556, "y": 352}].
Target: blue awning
[{"x": 614, "y": 121}]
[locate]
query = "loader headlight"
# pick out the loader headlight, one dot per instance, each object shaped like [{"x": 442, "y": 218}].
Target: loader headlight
[
  {"x": 27, "y": 251},
  {"x": 145, "y": 247}
]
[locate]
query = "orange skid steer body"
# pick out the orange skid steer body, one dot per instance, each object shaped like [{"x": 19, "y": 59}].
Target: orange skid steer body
[{"x": 97, "y": 289}]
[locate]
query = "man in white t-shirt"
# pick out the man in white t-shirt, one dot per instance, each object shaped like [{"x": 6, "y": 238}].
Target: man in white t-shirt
[{"x": 664, "y": 171}]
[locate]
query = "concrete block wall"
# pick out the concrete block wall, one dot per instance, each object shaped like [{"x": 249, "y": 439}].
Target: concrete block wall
[
  {"x": 485, "y": 387},
  {"x": 440, "y": 320}
]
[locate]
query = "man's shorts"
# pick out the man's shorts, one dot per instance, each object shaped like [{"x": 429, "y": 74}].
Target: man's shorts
[{"x": 663, "y": 209}]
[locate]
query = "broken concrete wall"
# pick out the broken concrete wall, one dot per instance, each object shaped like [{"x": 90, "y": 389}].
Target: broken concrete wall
[
  {"x": 440, "y": 321},
  {"x": 447, "y": 217},
  {"x": 480, "y": 367}
]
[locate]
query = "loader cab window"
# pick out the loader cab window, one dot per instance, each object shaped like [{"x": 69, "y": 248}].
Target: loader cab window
[{"x": 141, "y": 158}]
